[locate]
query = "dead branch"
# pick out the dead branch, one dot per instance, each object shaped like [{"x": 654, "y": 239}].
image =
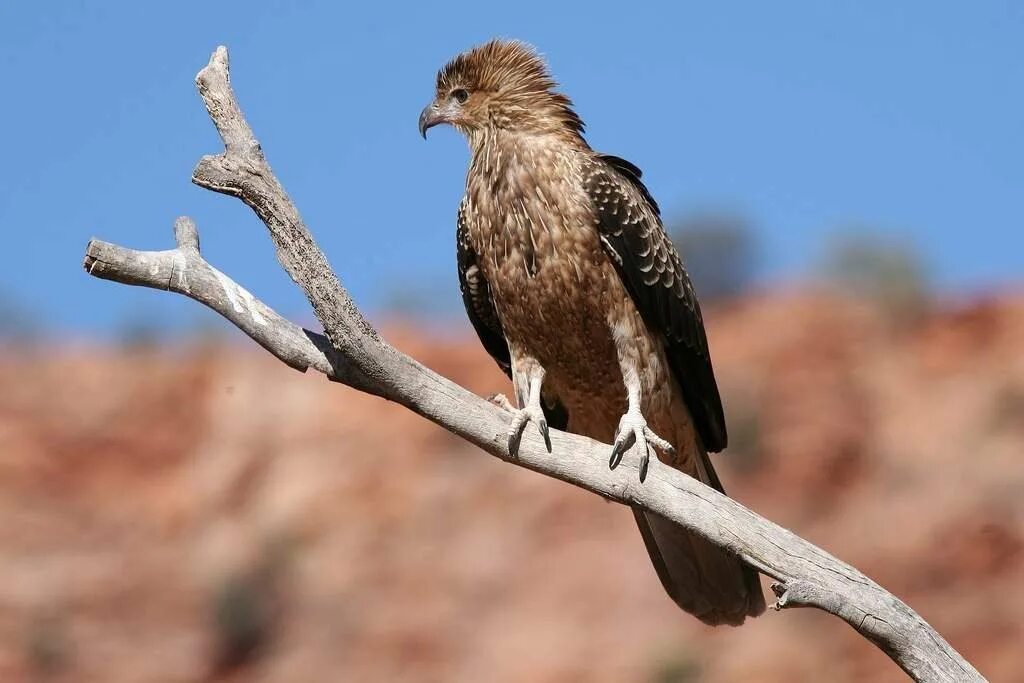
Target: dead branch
[{"x": 353, "y": 353}]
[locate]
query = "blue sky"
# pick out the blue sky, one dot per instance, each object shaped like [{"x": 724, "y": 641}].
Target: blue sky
[{"x": 806, "y": 117}]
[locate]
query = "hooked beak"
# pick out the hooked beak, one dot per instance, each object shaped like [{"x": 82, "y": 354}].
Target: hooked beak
[{"x": 430, "y": 117}]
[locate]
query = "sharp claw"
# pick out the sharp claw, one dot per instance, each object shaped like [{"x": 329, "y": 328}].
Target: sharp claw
[
  {"x": 622, "y": 444},
  {"x": 542, "y": 425},
  {"x": 518, "y": 426},
  {"x": 515, "y": 433},
  {"x": 634, "y": 430},
  {"x": 616, "y": 458},
  {"x": 645, "y": 461}
]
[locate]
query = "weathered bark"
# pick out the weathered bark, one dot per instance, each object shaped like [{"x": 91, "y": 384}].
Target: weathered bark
[{"x": 353, "y": 353}]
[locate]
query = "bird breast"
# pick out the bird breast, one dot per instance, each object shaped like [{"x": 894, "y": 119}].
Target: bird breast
[
  {"x": 532, "y": 226},
  {"x": 555, "y": 291}
]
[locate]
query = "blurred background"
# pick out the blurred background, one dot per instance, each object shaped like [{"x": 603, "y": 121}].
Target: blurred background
[{"x": 844, "y": 183}]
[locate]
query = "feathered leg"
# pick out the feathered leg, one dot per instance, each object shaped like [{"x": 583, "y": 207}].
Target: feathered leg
[
  {"x": 528, "y": 377},
  {"x": 634, "y": 432}
]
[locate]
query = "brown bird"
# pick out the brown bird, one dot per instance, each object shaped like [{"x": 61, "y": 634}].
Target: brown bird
[{"x": 577, "y": 292}]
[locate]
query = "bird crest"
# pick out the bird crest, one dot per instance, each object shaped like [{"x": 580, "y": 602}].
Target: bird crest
[{"x": 513, "y": 84}]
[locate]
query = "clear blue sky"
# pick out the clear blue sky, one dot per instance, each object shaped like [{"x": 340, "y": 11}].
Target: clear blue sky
[{"x": 806, "y": 117}]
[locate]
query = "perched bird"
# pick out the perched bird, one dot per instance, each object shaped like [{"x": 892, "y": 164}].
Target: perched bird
[{"x": 577, "y": 292}]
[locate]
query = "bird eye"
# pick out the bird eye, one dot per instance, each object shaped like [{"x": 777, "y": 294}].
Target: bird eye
[{"x": 460, "y": 95}]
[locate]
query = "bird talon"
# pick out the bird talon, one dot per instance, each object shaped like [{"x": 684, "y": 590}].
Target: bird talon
[
  {"x": 633, "y": 432},
  {"x": 617, "y": 450},
  {"x": 542, "y": 425},
  {"x": 645, "y": 461},
  {"x": 518, "y": 426},
  {"x": 659, "y": 442},
  {"x": 501, "y": 400},
  {"x": 624, "y": 440}
]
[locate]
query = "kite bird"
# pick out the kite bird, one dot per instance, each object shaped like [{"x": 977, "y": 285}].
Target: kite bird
[{"x": 577, "y": 292}]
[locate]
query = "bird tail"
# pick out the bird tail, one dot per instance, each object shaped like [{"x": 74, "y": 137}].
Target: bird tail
[{"x": 713, "y": 585}]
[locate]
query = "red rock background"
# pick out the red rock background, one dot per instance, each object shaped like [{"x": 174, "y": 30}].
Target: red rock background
[{"x": 204, "y": 513}]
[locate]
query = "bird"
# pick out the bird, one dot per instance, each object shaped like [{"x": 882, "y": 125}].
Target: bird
[{"x": 575, "y": 289}]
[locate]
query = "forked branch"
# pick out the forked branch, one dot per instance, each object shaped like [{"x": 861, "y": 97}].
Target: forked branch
[{"x": 353, "y": 353}]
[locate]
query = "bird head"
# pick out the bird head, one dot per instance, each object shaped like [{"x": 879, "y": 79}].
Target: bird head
[{"x": 500, "y": 85}]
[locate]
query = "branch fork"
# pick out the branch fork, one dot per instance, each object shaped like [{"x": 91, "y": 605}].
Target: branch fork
[{"x": 351, "y": 352}]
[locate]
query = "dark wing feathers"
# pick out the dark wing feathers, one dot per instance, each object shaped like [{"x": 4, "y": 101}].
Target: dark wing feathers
[
  {"x": 649, "y": 265},
  {"x": 476, "y": 296},
  {"x": 632, "y": 173}
]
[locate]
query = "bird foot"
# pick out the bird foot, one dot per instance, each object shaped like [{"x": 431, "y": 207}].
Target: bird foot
[
  {"x": 501, "y": 400},
  {"x": 634, "y": 432},
  {"x": 531, "y": 413}
]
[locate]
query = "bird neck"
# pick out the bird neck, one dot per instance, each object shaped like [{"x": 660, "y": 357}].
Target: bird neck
[{"x": 490, "y": 146}]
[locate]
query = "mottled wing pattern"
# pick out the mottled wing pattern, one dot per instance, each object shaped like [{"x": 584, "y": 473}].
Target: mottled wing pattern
[
  {"x": 476, "y": 296},
  {"x": 631, "y": 231}
]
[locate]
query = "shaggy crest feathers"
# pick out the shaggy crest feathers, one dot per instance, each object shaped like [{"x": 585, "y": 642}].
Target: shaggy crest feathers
[{"x": 517, "y": 81}]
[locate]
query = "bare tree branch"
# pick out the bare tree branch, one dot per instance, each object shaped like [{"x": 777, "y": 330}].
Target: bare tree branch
[
  {"x": 354, "y": 354},
  {"x": 183, "y": 270}
]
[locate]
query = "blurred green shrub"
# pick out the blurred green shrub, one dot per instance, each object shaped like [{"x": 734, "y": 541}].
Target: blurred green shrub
[
  {"x": 677, "y": 667},
  {"x": 48, "y": 643},
  {"x": 248, "y": 606},
  {"x": 719, "y": 252},
  {"x": 888, "y": 272}
]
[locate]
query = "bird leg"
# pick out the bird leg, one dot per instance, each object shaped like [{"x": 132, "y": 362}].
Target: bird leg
[
  {"x": 633, "y": 431},
  {"x": 528, "y": 377}
]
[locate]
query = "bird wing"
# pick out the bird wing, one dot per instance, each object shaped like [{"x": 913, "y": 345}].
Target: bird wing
[
  {"x": 629, "y": 223},
  {"x": 476, "y": 296}
]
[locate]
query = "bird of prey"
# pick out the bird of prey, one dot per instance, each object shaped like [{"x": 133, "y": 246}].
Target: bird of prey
[{"x": 574, "y": 288}]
